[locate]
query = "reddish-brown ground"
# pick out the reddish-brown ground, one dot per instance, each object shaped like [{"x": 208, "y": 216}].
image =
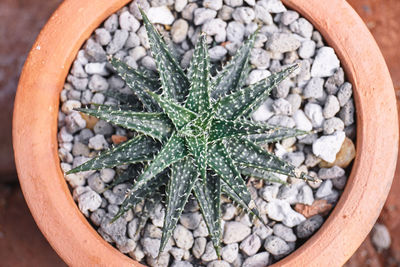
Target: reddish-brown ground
[{"x": 22, "y": 244}]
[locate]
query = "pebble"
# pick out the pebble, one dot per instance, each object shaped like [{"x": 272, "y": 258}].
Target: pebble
[
  {"x": 282, "y": 120},
  {"x": 217, "y": 53},
  {"x": 77, "y": 70},
  {"x": 213, "y": 4},
  {"x": 187, "y": 12},
  {"x": 302, "y": 122},
  {"x": 260, "y": 259},
  {"x": 202, "y": 15},
  {"x": 183, "y": 237},
  {"x": 331, "y": 107},
  {"x": 259, "y": 58},
  {"x": 307, "y": 49},
  {"x": 215, "y": 27},
  {"x": 179, "y": 30},
  {"x": 327, "y": 146},
  {"x": 280, "y": 210},
  {"x": 89, "y": 201},
  {"x": 346, "y": 113},
  {"x": 284, "y": 232},
  {"x": 118, "y": 41},
  {"x": 380, "y": 237},
  {"x": 161, "y": 261},
  {"x": 243, "y": 15},
  {"x": 180, "y": 5},
  {"x": 235, "y": 232},
  {"x": 69, "y": 106},
  {"x": 257, "y": 75},
  {"x": 331, "y": 173},
  {"x": 111, "y": 24},
  {"x": 98, "y": 142},
  {"x": 74, "y": 122},
  {"x": 199, "y": 247},
  {"x": 95, "y": 183},
  {"x": 314, "y": 112},
  {"x": 314, "y": 88},
  {"x": 201, "y": 230},
  {"x": 230, "y": 252},
  {"x": 97, "y": 216},
  {"x": 251, "y": 245},
  {"x": 98, "y": 83},
  {"x": 333, "y": 124},
  {"x": 235, "y": 32},
  {"x": 305, "y": 195},
  {"x": 344, "y": 94},
  {"x": 276, "y": 246},
  {"x": 190, "y": 220},
  {"x": 181, "y": 264},
  {"x": 264, "y": 112},
  {"x": 325, "y": 63},
  {"x": 345, "y": 155},
  {"x": 289, "y": 17},
  {"x": 273, "y": 6},
  {"x": 309, "y": 226},
  {"x": 161, "y": 15},
  {"x": 319, "y": 206},
  {"x": 282, "y": 43},
  {"x": 302, "y": 27},
  {"x": 324, "y": 190},
  {"x": 128, "y": 22},
  {"x": 115, "y": 230},
  {"x": 234, "y": 3},
  {"x": 95, "y": 51},
  {"x": 334, "y": 82},
  {"x": 209, "y": 254},
  {"x": 218, "y": 263},
  {"x": 262, "y": 14}
]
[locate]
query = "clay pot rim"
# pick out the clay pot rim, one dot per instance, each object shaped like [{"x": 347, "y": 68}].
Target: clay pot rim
[{"x": 68, "y": 231}]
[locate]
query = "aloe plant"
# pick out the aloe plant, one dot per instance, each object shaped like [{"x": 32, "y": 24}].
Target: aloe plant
[{"x": 194, "y": 134}]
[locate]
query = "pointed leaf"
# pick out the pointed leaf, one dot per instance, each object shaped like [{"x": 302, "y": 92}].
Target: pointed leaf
[
  {"x": 183, "y": 176},
  {"x": 127, "y": 101},
  {"x": 173, "y": 151},
  {"x": 199, "y": 96},
  {"x": 173, "y": 79},
  {"x": 198, "y": 147},
  {"x": 260, "y": 174},
  {"x": 138, "y": 149},
  {"x": 130, "y": 174},
  {"x": 179, "y": 115},
  {"x": 242, "y": 128},
  {"x": 244, "y": 101},
  {"x": 208, "y": 196},
  {"x": 137, "y": 82},
  {"x": 235, "y": 72},
  {"x": 156, "y": 125}
]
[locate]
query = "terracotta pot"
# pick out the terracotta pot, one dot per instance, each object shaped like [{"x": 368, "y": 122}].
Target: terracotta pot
[{"x": 68, "y": 231}]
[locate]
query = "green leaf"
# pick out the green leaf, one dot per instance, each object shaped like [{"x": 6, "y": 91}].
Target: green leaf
[
  {"x": 179, "y": 115},
  {"x": 138, "y": 149},
  {"x": 208, "y": 196},
  {"x": 234, "y": 72},
  {"x": 137, "y": 82},
  {"x": 199, "y": 95},
  {"x": 222, "y": 164},
  {"x": 127, "y": 101},
  {"x": 260, "y": 174},
  {"x": 183, "y": 176},
  {"x": 244, "y": 101},
  {"x": 173, "y": 79},
  {"x": 198, "y": 147},
  {"x": 241, "y": 128},
  {"x": 130, "y": 174},
  {"x": 156, "y": 125},
  {"x": 173, "y": 151}
]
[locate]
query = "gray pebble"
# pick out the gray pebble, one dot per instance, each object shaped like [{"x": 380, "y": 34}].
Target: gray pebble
[
  {"x": 276, "y": 246},
  {"x": 111, "y": 24},
  {"x": 325, "y": 63},
  {"x": 137, "y": 53},
  {"x": 235, "y": 32},
  {"x": 132, "y": 228},
  {"x": 289, "y": 17},
  {"x": 98, "y": 142},
  {"x": 118, "y": 41},
  {"x": 295, "y": 158},
  {"x": 281, "y": 120},
  {"x": 314, "y": 88},
  {"x": 314, "y": 113},
  {"x": 305, "y": 195},
  {"x": 324, "y": 190},
  {"x": 179, "y": 30},
  {"x": 180, "y": 5},
  {"x": 259, "y": 58},
  {"x": 215, "y": 27},
  {"x": 74, "y": 94},
  {"x": 77, "y": 70},
  {"x": 116, "y": 230},
  {"x": 217, "y": 53},
  {"x": 201, "y": 15},
  {"x": 80, "y": 149},
  {"x": 213, "y": 4},
  {"x": 273, "y": 6},
  {"x": 188, "y": 11},
  {"x": 183, "y": 237},
  {"x": 287, "y": 193},
  {"x": 250, "y": 245},
  {"x": 132, "y": 41},
  {"x": 103, "y": 128},
  {"x": 235, "y": 232},
  {"x": 209, "y": 254},
  {"x": 282, "y": 42},
  {"x": 74, "y": 122},
  {"x": 381, "y": 237},
  {"x": 225, "y": 13},
  {"x": 181, "y": 264},
  {"x": 149, "y": 63},
  {"x": 199, "y": 247},
  {"x": 98, "y": 83},
  {"x": 333, "y": 124},
  {"x": 218, "y": 263},
  {"x": 340, "y": 182},
  {"x": 128, "y": 22},
  {"x": 234, "y": 3},
  {"x": 280, "y": 210},
  {"x": 150, "y": 246},
  {"x": 230, "y": 252},
  {"x": 284, "y": 232},
  {"x": 302, "y": 27},
  {"x": 346, "y": 113},
  {"x": 261, "y": 230},
  {"x": 98, "y": 99},
  {"x": 331, "y": 107},
  {"x": 103, "y": 36},
  {"x": 161, "y": 15},
  {"x": 333, "y": 83},
  {"x": 331, "y": 173},
  {"x": 307, "y": 49},
  {"x": 95, "y": 183},
  {"x": 190, "y": 220},
  {"x": 78, "y": 83},
  {"x": 95, "y": 51},
  {"x": 262, "y": 14},
  {"x": 144, "y": 39},
  {"x": 257, "y": 75},
  {"x": 327, "y": 146},
  {"x": 309, "y": 226},
  {"x": 97, "y": 216},
  {"x": 260, "y": 259},
  {"x": 302, "y": 122},
  {"x": 344, "y": 94},
  {"x": 201, "y": 231}
]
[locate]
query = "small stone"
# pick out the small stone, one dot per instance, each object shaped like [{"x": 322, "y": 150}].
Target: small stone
[
  {"x": 225, "y": 13},
  {"x": 180, "y": 5},
  {"x": 230, "y": 252},
  {"x": 314, "y": 113},
  {"x": 331, "y": 173},
  {"x": 69, "y": 106},
  {"x": 235, "y": 32},
  {"x": 282, "y": 120},
  {"x": 302, "y": 27},
  {"x": 217, "y": 53},
  {"x": 107, "y": 175},
  {"x": 183, "y": 237},
  {"x": 331, "y": 107},
  {"x": 179, "y": 30},
  {"x": 334, "y": 82},
  {"x": 103, "y": 36},
  {"x": 201, "y": 15},
  {"x": 284, "y": 232},
  {"x": 201, "y": 230},
  {"x": 276, "y": 246},
  {"x": 177, "y": 253},
  {"x": 309, "y": 226},
  {"x": 199, "y": 247},
  {"x": 95, "y": 183},
  {"x": 128, "y": 22},
  {"x": 161, "y": 260},
  {"x": 103, "y": 128},
  {"x": 144, "y": 39},
  {"x": 340, "y": 183},
  {"x": 260, "y": 259},
  {"x": 305, "y": 195},
  {"x": 262, "y": 14},
  {"x": 150, "y": 246},
  {"x": 259, "y": 58},
  {"x": 234, "y": 3},
  {"x": 98, "y": 142},
  {"x": 345, "y": 155},
  {"x": 228, "y": 211},
  {"x": 74, "y": 122},
  {"x": 132, "y": 228},
  {"x": 116, "y": 230},
  {"x": 95, "y": 51},
  {"x": 264, "y": 112},
  {"x": 302, "y": 122},
  {"x": 97, "y": 216},
  {"x": 149, "y": 63},
  {"x": 188, "y": 11},
  {"x": 333, "y": 124},
  {"x": 325, "y": 63},
  {"x": 111, "y": 24},
  {"x": 89, "y": 201},
  {"x": 77, "y": 70},
  {"x": 218, "y": 263},
  {"x": 250, "y": 245},
  {"x": 273, "y": 6},
  {"x": 289, "y": 17},
  {"x": 213, "y": 4},
  {"x": 295, "y": 158},
  {"x": 257, "y": 75},
  {"x": 324, "y": 190},
  {"x": 282, "y": 43},
  {"x": 280, "y": 210},
  {"x": 210, "y": 254},
  {"x": 190, "y": 220},
  {"x": 235, "y": 232},
  {"x": 269, "y": 192},
  {"x": 326, "y": 147},
  {"x": 118, "y": 41},
  {"x": 320, "y": 206},
  {"x": 345, "y": 93},
  {"x": 380, "y": 237},
  {"x": 98, "y": 83},
  {"x": 161, "y": 15},
  {"x": 307, "y": 49},
  {"x": 215, "y": 27},
  {"x": 314, "y": 88},
  {"x": 181, "y": 264},
  {"x": 346, "y": 113}
]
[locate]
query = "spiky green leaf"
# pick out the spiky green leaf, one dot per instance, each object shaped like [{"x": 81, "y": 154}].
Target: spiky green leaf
[
  {"x": 156, "y": 125},
  {"x": 127, "y": 101},
  {"x": 138, "y": 149},
  {"x": 199, "y": 94},
  {"x": 198, "y": 148},
  {"x": 129, "y": 175},
  {"x": 244, "y": 101},
  {"x": 260, "y": 174},
  {"x": 173, "y": 79},
  {"x": 137, "y": 82},
  {"x": 183, "y": 177},
  {"x": 235, "y": 72},
  {"x": 208, "y": 196}
]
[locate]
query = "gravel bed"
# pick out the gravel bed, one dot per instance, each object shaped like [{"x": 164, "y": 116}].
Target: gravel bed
[{"x": 316, "y": 97}]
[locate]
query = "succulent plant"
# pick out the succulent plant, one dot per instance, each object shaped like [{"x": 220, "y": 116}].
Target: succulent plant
[{"x": 193, "y": 133}]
